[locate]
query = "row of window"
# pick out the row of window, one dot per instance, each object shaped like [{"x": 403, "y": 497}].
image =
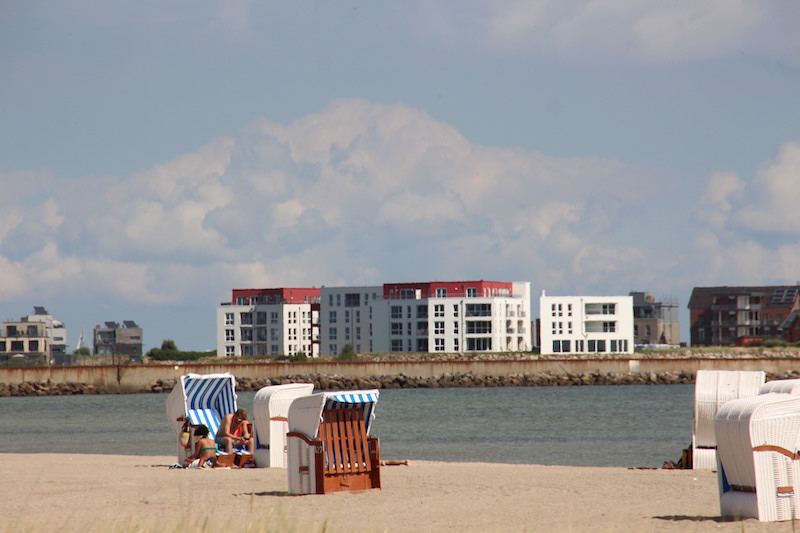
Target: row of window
[
  {"x": 557, "y": 310},
  {"x": 590, "y": 346}
]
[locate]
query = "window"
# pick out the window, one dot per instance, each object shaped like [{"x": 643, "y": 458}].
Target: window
[
  {"x": 592, "y": 346},
  {"x": 441, "y": 293},
  {"x": 397, "y": 345},
  {"x": 455, "y": 344},
  {"x": 358, "y": 333},
  {"x": 601, "y": 346},
  {"x": 229, "y": 351},
  {"x": 438, "y": 310},
  {"x": 347, "y": 334},
  {"x": 422, "y": 345},
  {"x": 422, "y": 328},
  {"x": 261, "y": 318},
  {"x": 472, "y": 292},
  {"x": 352, "y": 299},
  {"x": 478, "y": 327},
  {"x": 579, "y": 345},
  {"x": 229, "y": 337},
  {"x": 332, "y": 317},
  {"x": 228, "y": 319},
  {"x": 479, "y": 344},
  {"x": 609, "y": 309},
  {"x": 273, "y": 318},
  {"x": 397, "y": 328},
  {"x": 407, "y": 294},
  {"x": 332, "y": 333},
  {"x": 479, "y": 310},
  {"x": 609, "y": 327},
  {"x": 556, "y": 346},
  {"x": 422, "y": 311},
  {"x": 397, "y": 311},
  {"x": 565, "y": 346},
  {"x": 455, "y": 327},
  {"x": 455, "y": 310},
  {"x": 438, "y": 345},
  {"x": 438, "y": 328},
  {"x": 246, "y": 318},
  {"x": 347, "y": 317}
]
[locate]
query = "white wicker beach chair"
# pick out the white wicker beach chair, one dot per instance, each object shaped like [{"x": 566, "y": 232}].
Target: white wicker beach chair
[
  {"x": 712, "y": 389},
  {"x": 759, "y": 469},
  {"x": 781, "y": 386},
  {"x": 271, "y": 417},
  {"x": 200, "y": 399},
  {"x": 329, "y": 447}
]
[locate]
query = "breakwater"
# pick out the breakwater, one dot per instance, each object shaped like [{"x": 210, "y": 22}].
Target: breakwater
[{"x": 401, "y": 381}]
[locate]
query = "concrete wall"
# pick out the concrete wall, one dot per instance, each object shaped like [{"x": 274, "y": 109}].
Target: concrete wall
[{"x": 136, "y": 378}]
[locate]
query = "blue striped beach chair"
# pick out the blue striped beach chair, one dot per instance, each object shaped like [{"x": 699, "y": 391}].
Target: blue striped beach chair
[{"x": 200, "y": 399}]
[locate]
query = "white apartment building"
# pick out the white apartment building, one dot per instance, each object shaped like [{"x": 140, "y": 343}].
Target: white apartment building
[
  {"x": 586, "y": 324},
  {"x": 430, "y": 317},
  {"x": 269, "y": 322},
  {"x": 348, "y": 316}
]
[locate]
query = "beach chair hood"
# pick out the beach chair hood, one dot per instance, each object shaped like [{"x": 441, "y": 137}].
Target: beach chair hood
[{"x": 305, "y": 412}]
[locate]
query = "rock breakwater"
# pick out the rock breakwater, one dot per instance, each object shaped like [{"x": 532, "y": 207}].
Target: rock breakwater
[{"x": 401, "y": 381}]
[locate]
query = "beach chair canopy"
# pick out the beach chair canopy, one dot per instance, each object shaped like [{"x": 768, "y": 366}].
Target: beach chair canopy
[
  {"x": 271, "y": 418},
  {"x": 712, "y": 389},
  {"x": 781, "y": 386},
  {"x": 758, "y": 440},
  {"x": 305, "y": 412},
  {"x": 203, "y": 398}
]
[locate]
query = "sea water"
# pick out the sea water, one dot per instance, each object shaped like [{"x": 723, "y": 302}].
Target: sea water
[{"x": 630, "y": 426}]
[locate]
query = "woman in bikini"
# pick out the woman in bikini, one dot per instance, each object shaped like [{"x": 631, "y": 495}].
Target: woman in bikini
[{"x": 205, "y": 449}]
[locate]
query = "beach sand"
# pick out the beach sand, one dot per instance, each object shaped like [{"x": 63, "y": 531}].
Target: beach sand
[{"x": 101, "y": 493}]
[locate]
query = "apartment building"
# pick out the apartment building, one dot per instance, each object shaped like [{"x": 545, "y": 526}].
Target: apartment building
[
  {"x": 279, "y": 321},
  {"x": 36, "y": 335},
  {"x": 727, "y": 316},
  {"x": 118, "y": 340},
  {"x": 428, "y": 317},
  {"x": 586, "y": 324},
  {"x": 654, "y": 322}
]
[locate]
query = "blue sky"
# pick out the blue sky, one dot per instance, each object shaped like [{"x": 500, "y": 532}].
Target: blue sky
[{"x": 155, "y": 155}]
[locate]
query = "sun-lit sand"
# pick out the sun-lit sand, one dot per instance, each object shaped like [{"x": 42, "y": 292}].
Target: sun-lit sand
[{"x": 100, "y": 493}]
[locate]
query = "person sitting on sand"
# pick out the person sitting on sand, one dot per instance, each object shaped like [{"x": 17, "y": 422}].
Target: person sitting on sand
[
  {"x": 233, "y": 431},
  {"x": 205, "y": 450}
]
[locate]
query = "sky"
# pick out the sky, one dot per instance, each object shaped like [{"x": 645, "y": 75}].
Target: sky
[{"x": 155, "y": 155}]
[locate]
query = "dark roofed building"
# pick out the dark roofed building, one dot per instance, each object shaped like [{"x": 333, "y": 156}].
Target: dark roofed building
[
  {"x": 726, "y": 316},
  {"x": 125, "y": 341}
]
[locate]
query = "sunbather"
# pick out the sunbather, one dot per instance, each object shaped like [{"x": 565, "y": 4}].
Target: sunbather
[
  {"x": 205, "y": 450},
  {"x": 233, "y": 431}
]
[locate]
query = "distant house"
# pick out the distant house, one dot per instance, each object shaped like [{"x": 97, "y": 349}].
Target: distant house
[
  {"x": 726, "y": 316},
  {"x": 34, "y": 336},
  {"x": 586, "y": 324},
  {"x": 113, "y": 339},
  {"x": 654, "y": 322}
]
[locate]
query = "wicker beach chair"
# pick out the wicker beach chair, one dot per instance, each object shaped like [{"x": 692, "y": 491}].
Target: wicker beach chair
[
  {"x": 781, "y": 386},
  {"x": 712, "y": 389},
  {"x": 329, "y": 446},
  {"x": 271, "y": 416},
  {"x": 200, "y": 399},
  {"x": 759, "y": 467}
]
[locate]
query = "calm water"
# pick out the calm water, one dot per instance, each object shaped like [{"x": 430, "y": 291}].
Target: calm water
[{"x": 604, "y": 425}]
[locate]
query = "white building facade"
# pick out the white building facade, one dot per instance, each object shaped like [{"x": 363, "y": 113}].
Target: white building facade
[
  {"x": 429, "y": 317},
  {"x": 260, "y": 322},
  {"x": 586, "y": 324}
]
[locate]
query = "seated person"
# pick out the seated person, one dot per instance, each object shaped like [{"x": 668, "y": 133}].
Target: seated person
[
  {"x": 205, "y": 451},
  {"x": 234, "y": 431}
]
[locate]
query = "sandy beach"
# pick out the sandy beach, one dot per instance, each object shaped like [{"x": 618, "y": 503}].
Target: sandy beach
[{"x": 100, "y": 493}]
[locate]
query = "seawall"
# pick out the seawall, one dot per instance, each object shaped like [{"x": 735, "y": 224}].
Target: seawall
[{"x": 388, "y": 374}]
